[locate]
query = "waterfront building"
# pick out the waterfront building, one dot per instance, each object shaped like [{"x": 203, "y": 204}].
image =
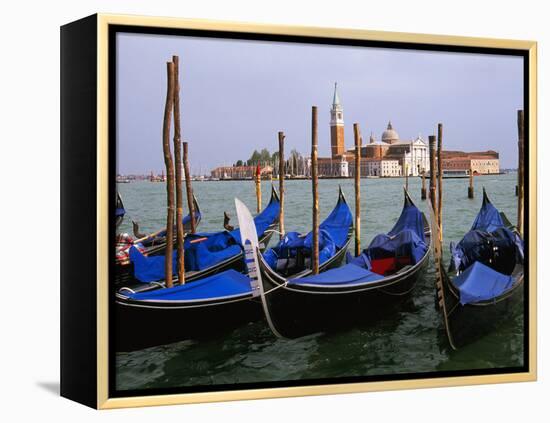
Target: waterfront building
[
  {"x": 240, "y": 172},
  {"x": 384, "y": 168},
  {"x": 484, "y": 162}
]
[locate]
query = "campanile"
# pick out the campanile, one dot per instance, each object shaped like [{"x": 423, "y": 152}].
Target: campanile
[{"x": 336, "y": 125}]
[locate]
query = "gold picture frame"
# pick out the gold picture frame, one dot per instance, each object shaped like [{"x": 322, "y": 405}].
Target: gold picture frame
[{"x": 100, "y": 360}]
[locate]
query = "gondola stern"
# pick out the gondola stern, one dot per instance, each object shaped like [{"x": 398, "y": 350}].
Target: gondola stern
[
  {"x": 407, "y": 198},
  {"x": 274, "y": 195}
]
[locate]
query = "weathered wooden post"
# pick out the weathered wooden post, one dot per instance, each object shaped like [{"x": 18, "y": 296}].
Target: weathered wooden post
[
  {"x": 189, "y": 188},
  {"x": 169, "y": 163},
  {"x": 521, "y": 170},
  {"x": 314, "y": 189},
  {"x": 357, "y": 136},
  {"x": 471, "y": 186},
  {"x": 178, "y": 165},
  {"x": 439, "y": 175},
  {"x": 258, "y": 180},
  {"x": 407, "y": 176},
  {"x": 433, "y": 171},
  {"x": 281, "y": 184},
  {"x": 423, "y": 189}
]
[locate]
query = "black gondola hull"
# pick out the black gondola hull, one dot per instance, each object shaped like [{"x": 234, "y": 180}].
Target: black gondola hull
[
  {"x": 470, "y": 322},
  {"x": 297, "y": 311},
  {"x": 139, "y": 326}
]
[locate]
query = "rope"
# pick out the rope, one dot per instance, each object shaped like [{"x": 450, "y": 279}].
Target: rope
[
  {"x": 275, "y": 288},
  {"x": 398, "y": 294}
]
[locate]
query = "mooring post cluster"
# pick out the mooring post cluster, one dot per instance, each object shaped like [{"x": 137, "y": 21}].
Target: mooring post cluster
[{"x": 174, "y": 167}]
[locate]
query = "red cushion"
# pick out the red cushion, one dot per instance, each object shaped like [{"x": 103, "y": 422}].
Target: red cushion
[{"x": 383, "y": 266}]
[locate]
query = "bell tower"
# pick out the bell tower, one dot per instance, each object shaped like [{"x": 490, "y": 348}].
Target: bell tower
[{"x": 336, "y": 125}]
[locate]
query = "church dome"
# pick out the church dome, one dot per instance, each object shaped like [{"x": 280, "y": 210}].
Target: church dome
[{"x": 390, "y": 135}]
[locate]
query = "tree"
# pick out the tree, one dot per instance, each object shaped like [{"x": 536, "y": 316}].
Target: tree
[
  {"x": 239, "y": 163},
  {"x": 254, "y": 159}
]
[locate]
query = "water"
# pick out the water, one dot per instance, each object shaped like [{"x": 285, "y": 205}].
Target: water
[{"x": 409, "y": 340}]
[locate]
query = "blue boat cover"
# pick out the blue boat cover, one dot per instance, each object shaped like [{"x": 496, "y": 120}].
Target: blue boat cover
[
  {"x": 333, "y": 234},
  {"x": 186, "y": 219},
  {"x": 501, "y": 249},
  {"x": 347, "y": 274},
  {"x": 119, "y": 211},
  {"x": 406, "y": 239},
  {"x": 410, "y": 219},
  {"x": 202, "y": 250},
  {"x": 488, "y": 219},
  {"x": 480, "y": 283},
  {"x": 406, "y": 243},
  {"x": 262, "y": 221},
  {"x": 338, "y": 223},
  {"x": 224, "y": 284}
]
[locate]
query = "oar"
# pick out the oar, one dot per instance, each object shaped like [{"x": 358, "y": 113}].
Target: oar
[
  {"x": 438, "y": 257},
  {"x": 249, "y": 239}
]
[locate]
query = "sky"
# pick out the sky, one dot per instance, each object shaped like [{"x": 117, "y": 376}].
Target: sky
[{"x": 236, "y": 95}]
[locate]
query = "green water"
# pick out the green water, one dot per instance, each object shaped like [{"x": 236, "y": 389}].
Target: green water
[{"x": 409, "y": 340}]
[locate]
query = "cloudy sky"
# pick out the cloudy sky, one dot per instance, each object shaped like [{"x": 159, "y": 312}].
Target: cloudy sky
[{"x": 236, "y": 95}]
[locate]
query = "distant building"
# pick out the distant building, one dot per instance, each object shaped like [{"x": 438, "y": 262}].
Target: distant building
[
  {"x": 239, "y": 172},
  {"x": 485, "y": 162},
  {"x": 377, "y": 167},
  {"x": 390, "y": 157}
]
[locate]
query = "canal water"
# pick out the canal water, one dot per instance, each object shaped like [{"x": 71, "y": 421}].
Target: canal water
[{"x": 411, "y": 340}]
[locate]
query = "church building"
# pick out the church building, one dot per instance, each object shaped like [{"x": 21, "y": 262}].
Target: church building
[{"x": 390, "y": 157}]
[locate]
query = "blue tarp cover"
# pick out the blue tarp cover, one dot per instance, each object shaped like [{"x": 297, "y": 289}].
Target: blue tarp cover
[
  {"x": 480, "y": 282},
  {"x": 337, "y": 223},
  {"x": 224, "y": 284},
  {"x": 499, "y": 249},
  {"x": 406, "y": 243},
  {"x": 405, "y": 239},
  {"x": 411, "y": 219},
  {"x": 347, "y": 274},
  {"x": 217, "y": 247},
  {"x": 262, "y": 221},
  {"x": 186, "y": 219},
  {"x": 333, "y": 233},
  {"x": 488, "y": 219}
]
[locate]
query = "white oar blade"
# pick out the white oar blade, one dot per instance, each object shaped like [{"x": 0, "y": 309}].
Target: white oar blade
[
  {"x": 249, "y": 239},
  {"x": 247, "y": 226}
]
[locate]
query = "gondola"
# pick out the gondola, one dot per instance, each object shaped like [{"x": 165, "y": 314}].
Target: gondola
[
  {"x": 483, "y": 284},
  {"x": 206, "y": 253},
  {"x": 207, "y": 306},
  {"x": 383, "y": 274},
  {"x": 149, "y": 245}
]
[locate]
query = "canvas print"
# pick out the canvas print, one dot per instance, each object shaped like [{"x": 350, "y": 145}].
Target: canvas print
[{"x": 304, "y": 212}]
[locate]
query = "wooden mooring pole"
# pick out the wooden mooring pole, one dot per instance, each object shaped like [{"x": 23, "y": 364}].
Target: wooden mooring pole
[
  {"x": 423, "y": 189},
  {"x": 178, "y": 165},
  {"x": 521, "y": 170},
  {"x": 407, "y": 176},
  {"x": 258, "y": 180},
  {"x": 471, "y": 186},
  {"x": 433, "y": 171},
  {"x": 357, "y": 136},
  {"x": 169, "y": 163},
  {"x": 315, "y": 192},
  {"x": 189, "y": 188},
  {"x": 439, "y": 176},
  {"x": 281, "y": 184}
]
